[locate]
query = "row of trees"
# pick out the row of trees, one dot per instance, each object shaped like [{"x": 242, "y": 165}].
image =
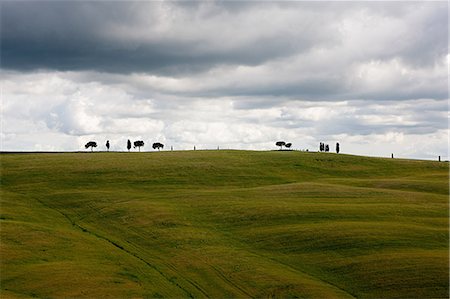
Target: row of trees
[
  {"x": 326, "y": 148},
  {"x": 157, "y": 145},
  {"x": 322, "y": 147},
  {"x": 136, "y": 144}
]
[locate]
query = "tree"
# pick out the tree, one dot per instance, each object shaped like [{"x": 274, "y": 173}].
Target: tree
[
  {"x": 129, "y": 145},
  {"x": 157, "y": 145},
  {"x": 138, "y": 144},
  {"x": 288, "y": 145},
  {"x": 91, "y": 144},
  {"x": 327, "y": 148},
  {"x": 322, "y": 147},
  {"x": 280, "y": 144},
  {"x": 337, "y": 148},
  {"x": 107, "y": 145}
]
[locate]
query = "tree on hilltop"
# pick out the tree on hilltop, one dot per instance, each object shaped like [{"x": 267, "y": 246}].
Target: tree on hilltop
[
  {"x": 91, "y": 144},
  {"x": 337, "y": 148},
  {"x": 129, "y": 145},
  {"x": 138, "y": 144},
  {"x": 280, "y": 144},
  {"x": 288, "y": 145},
  {"x": 157, "y": 145},
  {"x": 107, "y": 145}
]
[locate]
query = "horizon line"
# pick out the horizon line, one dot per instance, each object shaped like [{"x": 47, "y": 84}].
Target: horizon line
[{"x": 227, "y": 149}]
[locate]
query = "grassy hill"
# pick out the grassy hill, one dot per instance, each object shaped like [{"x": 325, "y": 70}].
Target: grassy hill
[{"x": 223, "y": 224}]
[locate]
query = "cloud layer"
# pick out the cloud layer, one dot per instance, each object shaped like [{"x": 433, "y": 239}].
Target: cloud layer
[{"x": 372, "y": 75}]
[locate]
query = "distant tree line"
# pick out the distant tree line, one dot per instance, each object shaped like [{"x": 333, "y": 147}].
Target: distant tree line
[
  {"x": 136, "y": 144},
  {"x": 326, "y": 148},
  {"x": 158, "y": 145},
  {"x": 322, "y": 146}
]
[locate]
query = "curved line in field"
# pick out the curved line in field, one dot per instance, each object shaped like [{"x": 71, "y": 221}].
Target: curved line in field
[
  {"x": 303, "y": 273},
  {"x": 83, "y": 229},
  {"x": 235, "y": 285}
]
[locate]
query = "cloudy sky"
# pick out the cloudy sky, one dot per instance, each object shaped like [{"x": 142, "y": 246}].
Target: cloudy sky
[{"x": 372, "y": 76}]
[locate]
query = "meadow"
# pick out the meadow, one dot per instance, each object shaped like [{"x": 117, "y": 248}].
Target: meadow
[{"x": 223, "y": 224}]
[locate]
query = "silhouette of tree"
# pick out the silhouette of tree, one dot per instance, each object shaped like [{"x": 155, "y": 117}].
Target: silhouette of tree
[
  {"x": 337, "y": 147},
  {"x": 129, "y": 145},
  {"x": 322, "y": 147},
  {"x": 157, "y": 145},
  {"x": 280, "y": 144},
  {"x": 288, "y": 145},
  {"x": 138, "y": 144},
  {"x": 327, "y": 148},
  {"x": 91, "y": 144},
  {"x": 107, "y": 145}
]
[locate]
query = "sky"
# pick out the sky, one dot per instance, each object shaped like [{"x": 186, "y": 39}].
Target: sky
[{"x": 372, "y": 76}]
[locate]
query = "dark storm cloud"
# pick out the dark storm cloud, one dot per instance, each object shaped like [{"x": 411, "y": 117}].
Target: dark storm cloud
[
  {"x": 305, "y": 49},
  {"x": 69, "y": 36},
  {"x": 80, "y": 36}
]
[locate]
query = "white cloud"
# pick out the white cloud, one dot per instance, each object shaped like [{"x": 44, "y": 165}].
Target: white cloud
[{"x": 97, "y": 111}]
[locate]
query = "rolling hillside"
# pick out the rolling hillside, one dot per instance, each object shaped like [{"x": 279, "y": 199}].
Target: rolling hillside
[{"x": 223, "y": 224}]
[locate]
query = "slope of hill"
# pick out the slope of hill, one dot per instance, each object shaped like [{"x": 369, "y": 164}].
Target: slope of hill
[{"x": 223, "y": 224}]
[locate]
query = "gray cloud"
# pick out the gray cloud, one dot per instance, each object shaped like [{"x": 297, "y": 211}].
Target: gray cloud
[
  {"x": 324, "y": 51},
  {"x": 174, "y": 38},
  {"x": 159, "y": 37}
]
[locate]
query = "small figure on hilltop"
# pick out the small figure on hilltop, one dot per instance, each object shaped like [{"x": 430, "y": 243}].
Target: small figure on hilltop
[
  {"x": 129, "y": 145},
  {"x": 322, "y": 147},
  {"x": 91, "y": 144},
  {"x": 138, "y": 144},
  {"x": 337, "y": 148},
  {"x": 327, "y": 148},
  {"x": 107, "y": 145},
  {"x": 157, "y": 145},
  {"x": 280, "y": 144}
]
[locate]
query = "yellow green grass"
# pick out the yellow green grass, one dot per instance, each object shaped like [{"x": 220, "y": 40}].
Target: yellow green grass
[{"x": 223, "y": 224}]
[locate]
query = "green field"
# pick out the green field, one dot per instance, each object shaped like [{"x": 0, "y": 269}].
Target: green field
[{"x": 223, "y": 224}]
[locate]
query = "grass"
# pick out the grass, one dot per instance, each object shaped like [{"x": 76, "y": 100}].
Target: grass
[{"x": 223, "y": 224}]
